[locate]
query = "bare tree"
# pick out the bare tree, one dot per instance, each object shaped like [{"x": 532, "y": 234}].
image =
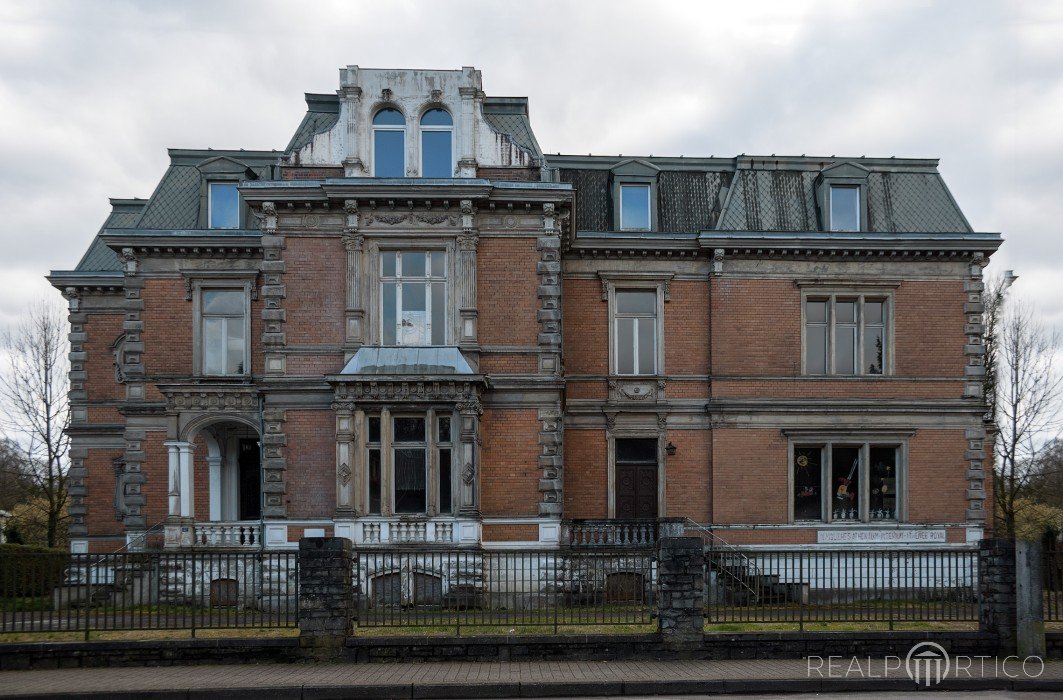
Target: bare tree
[
  {"x": 1026, "y": 407},
  {"x": 33, "y": 392}
]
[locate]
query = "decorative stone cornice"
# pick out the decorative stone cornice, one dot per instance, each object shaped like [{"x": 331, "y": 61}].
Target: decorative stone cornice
[
  {"x": 217, "y": 397},
  {"x": 353, "y": 390}
]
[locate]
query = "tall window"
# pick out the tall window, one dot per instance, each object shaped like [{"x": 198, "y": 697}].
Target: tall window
[
  {"x": 636, "y": 331},
  {"x": 437, "y": 144},
  {"x": 846, "y": 335},
  {"x": 846, "y": 482},
  {"x": 223, "y": 315},
  {"x": 413, "y": 297},
  {"x": 409, "y": 450},
  {"x": 389, "y": 144},
  {"x": 844, "y": 208},
  {"x": 409, "y": 440},
  {"x": 634, "y": 207},
  {"x": 223, "y": 205}
]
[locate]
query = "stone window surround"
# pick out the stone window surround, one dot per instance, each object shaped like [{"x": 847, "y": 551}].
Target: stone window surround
[
  {"x": 418, "y": 242},
  {"x": 864, "y": 439},
  {"x": 411, "y": 135},
  {"x": 611, "y": 435},
  {"x": 235, "y": 176},
  {"x": 660, "y": 282},
  {"x": 199, "y": 280},
  {"x": 630, "y": 179},
  {"x": 856, "y": 177},
  {"x": 432, "y": 445},
  {"x": 884, "y": 289}
]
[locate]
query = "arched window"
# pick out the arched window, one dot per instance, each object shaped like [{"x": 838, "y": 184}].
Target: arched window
[
  {"x": 437, "y": 144},
  {"x": 389, "y": 144}
]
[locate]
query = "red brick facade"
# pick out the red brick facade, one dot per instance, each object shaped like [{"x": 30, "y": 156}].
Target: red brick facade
[{"x": 544, "y": 423}]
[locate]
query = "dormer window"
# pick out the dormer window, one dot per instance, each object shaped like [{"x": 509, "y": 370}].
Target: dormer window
[
  {"x": 844, "y": 208},
  {"x": 389, "y": 144},
  {"x": 437, "y": 144},
  {"x": 223, "y": 205},
  {"x": 634, "y": 207}
]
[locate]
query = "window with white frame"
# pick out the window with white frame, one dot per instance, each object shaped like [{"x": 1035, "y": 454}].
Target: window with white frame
[
  {"x": 846, "y": 334},
  {"x": 634, "y": 207},
  {"x": 223, "y": 331},
  {"x": 413, "y": 297},
  {"x": 223, "y": 205},
  {"x": 437, "y": 144},
  {"x": 635, "y": 331},
  {"x": 844, "y": 208},
  {"x": 416, "y": 452},
  {"x": 847, "y": 482},
  {"x": 389, "y": 143}
]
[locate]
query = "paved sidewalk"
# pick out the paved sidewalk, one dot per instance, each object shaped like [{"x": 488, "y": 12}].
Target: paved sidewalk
[{"x": 497, "y": 680}]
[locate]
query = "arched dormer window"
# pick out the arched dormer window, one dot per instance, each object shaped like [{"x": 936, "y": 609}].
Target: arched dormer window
[
  {"x": 437, "y": 144},
  {"x": 389, "y": 143}
]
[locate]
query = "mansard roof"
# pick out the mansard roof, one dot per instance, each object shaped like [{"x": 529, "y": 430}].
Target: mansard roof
[{"x": 767, "y": 193}]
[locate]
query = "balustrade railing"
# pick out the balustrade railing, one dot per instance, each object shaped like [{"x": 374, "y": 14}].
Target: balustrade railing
[
  {"x": 234, "y": 534},
  {"x": 609, "y": 533}
]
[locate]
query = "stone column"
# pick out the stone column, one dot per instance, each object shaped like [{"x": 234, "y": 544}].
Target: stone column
[
  {"x": 350, "y": 106},
  {"x": 681, "y": 591},
  {"x": 386, "y": 452},
  {"x": 326, "y": 596},
  {"x": 214, "y": 473},
  {"x": 996, "y": 581}
]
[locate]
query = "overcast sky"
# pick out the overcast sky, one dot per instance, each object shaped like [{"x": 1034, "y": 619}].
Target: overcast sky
[{"x": 92, "y": 94}]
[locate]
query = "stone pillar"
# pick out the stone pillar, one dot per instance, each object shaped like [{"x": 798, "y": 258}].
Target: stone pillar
[
  {"x": 216, "y": 490},
  {"x": 1029, "y": 601},
  {"x": 468, "y": 458},
  {"x": 326, "y": 596},
  {"x": 345, "y": 439},
  {"x": 354, "y": 315},
  {"x": 468, "y": 333},
  {"x": 996, "y": 574},
  {"x": 681, "y": 591}
]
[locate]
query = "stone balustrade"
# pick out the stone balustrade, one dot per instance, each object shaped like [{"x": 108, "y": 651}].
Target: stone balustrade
[{"x": 231, "y": 534}]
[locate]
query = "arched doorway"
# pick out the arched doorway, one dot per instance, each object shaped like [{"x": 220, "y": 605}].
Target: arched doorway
[{"x": 233, "y": 468}]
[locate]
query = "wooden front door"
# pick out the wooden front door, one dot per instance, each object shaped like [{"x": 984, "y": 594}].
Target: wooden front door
[{"x": 636, "y": 478}]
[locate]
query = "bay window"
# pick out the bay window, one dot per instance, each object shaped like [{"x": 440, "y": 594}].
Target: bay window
[{"x": 409, "y": 459}]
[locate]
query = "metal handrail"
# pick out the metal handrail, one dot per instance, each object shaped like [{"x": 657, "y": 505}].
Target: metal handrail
[
  {"x": 141, "y": 537},
  {"x": 713, "y": 539}
]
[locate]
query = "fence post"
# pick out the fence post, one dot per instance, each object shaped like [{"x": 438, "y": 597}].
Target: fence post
[
  {"x": 1029, "y": 608},
  {"x": 325, "y": 596},
  {"x": 996, "y": 585},
  {"x": 681, "y": 591}
]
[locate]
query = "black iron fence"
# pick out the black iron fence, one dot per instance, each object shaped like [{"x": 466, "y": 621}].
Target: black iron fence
[
  {"x": 58, "y": 592},
  {"x": 462, "y": 589},
  {"x": 1052, "y": 572},
  {"x": 824, "y": 586}
]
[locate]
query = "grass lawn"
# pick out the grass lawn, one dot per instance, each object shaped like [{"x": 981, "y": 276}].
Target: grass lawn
[
  {"x": 838, "y": 626},
  {"x": 147, "y": 635}
]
